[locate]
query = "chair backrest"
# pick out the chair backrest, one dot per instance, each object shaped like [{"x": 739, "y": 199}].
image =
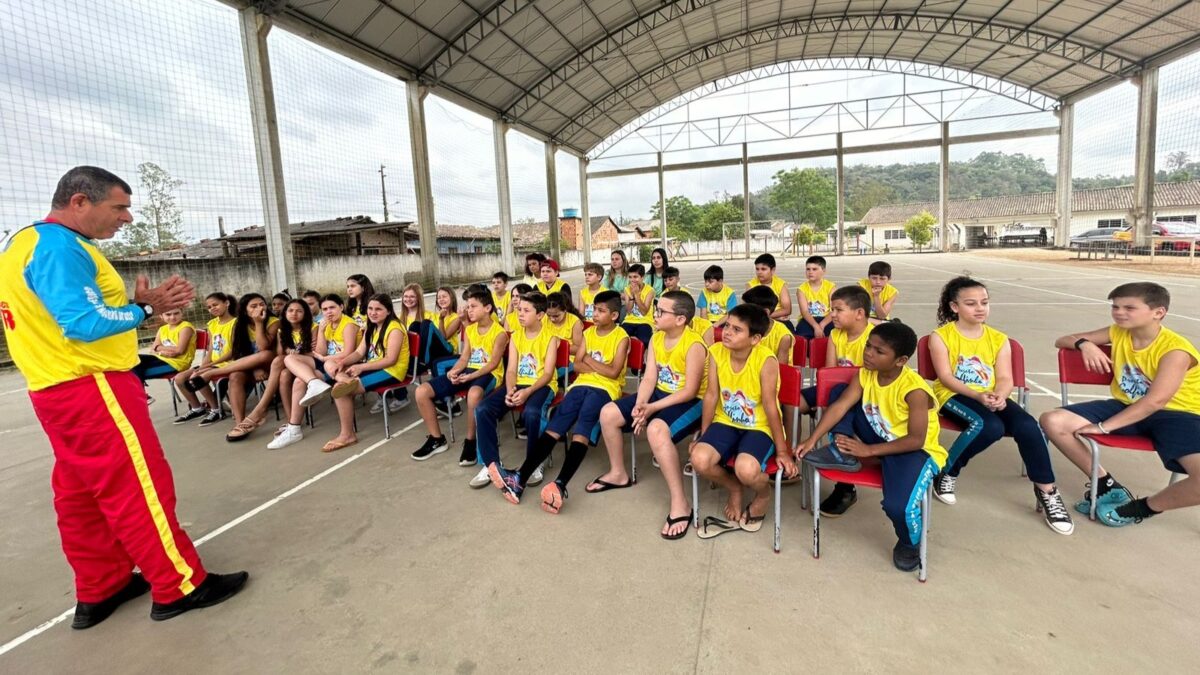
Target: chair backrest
[
  {"x": 925, "y": 359},
  {"x": 637, "y": 354},
  {"x": 563, "y": 359},
  {"x": 790, "y": 383},
  {"x": 201, "y": 340},
  {"x": 828, "y": 377},
  {"x": 587, "y": 325},
  {"x": 1072, "y": 371},
  {"x": 717, "y": 330},
  {"x": 414, "y": 350},
  {"x": 799, "y": 351},
  {"x": 818, "y": 348}
]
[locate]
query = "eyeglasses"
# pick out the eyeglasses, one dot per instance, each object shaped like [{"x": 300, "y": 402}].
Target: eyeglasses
[{"x": 659, "y": 311}]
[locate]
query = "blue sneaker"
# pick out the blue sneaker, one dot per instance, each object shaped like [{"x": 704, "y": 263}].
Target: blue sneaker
[
  {"x": 1109, "y": 516},
  {"x": 1114, "y": 498},
  {"x": 508, "y": 482}
]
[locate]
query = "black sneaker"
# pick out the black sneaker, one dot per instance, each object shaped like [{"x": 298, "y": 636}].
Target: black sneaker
[
  {"x": 88, "y": 614},
  {"x": 191, "y": 414},
  {"x": 1051, "y": 505},
  {"x": 215, "y": 589},
  {"x": 522, "y": 434},
  {"x": 906, "y": 557},
  {"x": 431, "y": 447},
  {"x": 455, "y": 410},
  {"x": 469, "y": 455},
  {"x": 839, "y": 501},
  {"x": 212, "y": 417},
  {"x": 943, "y": 488}
]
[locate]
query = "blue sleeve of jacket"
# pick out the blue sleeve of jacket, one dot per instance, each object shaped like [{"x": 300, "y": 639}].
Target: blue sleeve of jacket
[{"x": 63, "y": 276}]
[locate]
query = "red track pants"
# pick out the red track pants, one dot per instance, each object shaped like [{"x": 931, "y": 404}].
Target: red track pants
[{"x": 113, "y": 490}]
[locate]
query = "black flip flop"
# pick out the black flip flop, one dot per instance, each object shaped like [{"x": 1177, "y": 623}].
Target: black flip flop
[
  {"x": 605, "y": 486},
  {"x": 751, "y": 523},
  {"x": 719, "y": 527},
  {"x": 673, "y": 521}
]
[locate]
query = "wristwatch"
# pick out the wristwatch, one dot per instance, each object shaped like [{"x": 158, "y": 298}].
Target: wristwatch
[
  {"x": 1079, "y": 342},
  {"x": 148, "y": 309}
]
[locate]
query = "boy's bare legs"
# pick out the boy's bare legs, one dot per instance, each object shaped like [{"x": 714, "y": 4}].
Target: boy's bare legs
[
  {"x": 424, "y": 397},
  {"x": 1060, "y": 427},
  {"x": 611, "y": 421},
  {"x": 706, "y": 462},
  {"x": 474, "y": 396},
  {"x": 189, "y": 396},
  {"x": 1182, "y": 494},
  {"x": 750, "y": 474},
  {"x": 658, "y": 434}
]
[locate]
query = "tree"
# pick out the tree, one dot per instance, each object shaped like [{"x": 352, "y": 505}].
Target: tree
[
  {"x": 713, "y": 216},
  {"x": 866, "y": 196},
  {"x": 919, "y": 229},
  {"x": 1177, "y": 160},
  {"x": 682, "y": 216},
  {"x": 807, "y": 235},
  {"x": 806, "y": 196},
  {"x": 160, "y": 222}
]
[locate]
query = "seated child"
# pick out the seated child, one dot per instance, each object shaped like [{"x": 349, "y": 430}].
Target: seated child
[
  {"x": 600, "y": 364},
  {"x": 550, "y": 283},
  {"x": 779, "y": 338},
  {"x": 252, "y": 348},
  {"x": 888, "y": 412},
  {"x": 671, "y": 279},
  {"x": 220, "y": 331},
  {"x": 883, "y": 294},
  {"x": 716, "y": 299},
  {"x": 435, "y": 348},
  {"x": 295, "y": 336},
  {"x": 511, "y": 321},
  {"x": 593, "y": 273},
  {"x": 639, "y": 301},
  {"x": 564, "y": 323},
  {"x": 741, "y": 419},
  {"x": 813, "y": 298},
  {"x": 500, "y": 293},
  {"x": 764, "y": 275},
  {"x": 1156, "y": 393},
  {"x": 173, "y": 350}
]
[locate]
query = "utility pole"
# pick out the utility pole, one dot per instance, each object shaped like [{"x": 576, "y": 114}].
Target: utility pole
[{"x": 383, "y": 191}]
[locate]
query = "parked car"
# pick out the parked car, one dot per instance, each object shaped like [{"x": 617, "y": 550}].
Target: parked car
[
  {"x": 1190, "y": 230},
  {"x": 1100, "y": 237}
]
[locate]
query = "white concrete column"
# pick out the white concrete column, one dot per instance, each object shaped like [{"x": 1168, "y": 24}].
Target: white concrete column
[
  {"x": 585, "y": 213},
  {"x": 423, "y": 185},
  {"x": 552, "y": 201},
  {"x": 746, "y": 195},
  {"x": 1143, "y": 166},
  {"x": 662, "y": 206},
  {"x": 944, "y": 187},
  {"x": 841, "y": 198},
  {"x": 503, "y": 194},
  {"x": 1066, "y": 140},
  {"x": 281, "y": 260}
]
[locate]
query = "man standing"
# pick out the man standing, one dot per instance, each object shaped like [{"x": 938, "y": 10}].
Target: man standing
[{"x": 71, "y": 332}]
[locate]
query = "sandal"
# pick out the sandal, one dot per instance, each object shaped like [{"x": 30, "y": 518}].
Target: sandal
[
  {"x": 674, "y": 521},
  {"x": 605, "y": 486},
  {"x": 715, "y": 527},
  {"x": 751, "y": 523},
  {"x": 335, "y": 445},
  {"x": 344, "y": 389},
  {"x": 241, "y": 431}
]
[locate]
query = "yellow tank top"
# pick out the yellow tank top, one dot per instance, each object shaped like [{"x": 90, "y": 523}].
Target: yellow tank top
[
  {"x": 700, "y": 325},
  {"x": 887, "y": 411},
  {"x": 271, "y": 321},
  {"x": 500, "y": 302},
  {"x": 889, "y": 292},
  {"x": 849, "y": 353},
  {"x": 359, "y": 317},
  {"x": 1134, "y": 369},
  {"x": 531, "y": 356},
  {"x": 603, "y": 349},
  {"x": 739, "y": 402},
  {"x": 774, "y": 337},
  {"x": 564, "y": 330},
  {"x": 220, "y": 339},
  {"x": 297, "y": 338},
  {"x": 168, "y": 336},
  {"x": 717, "y": 303},
  {"x": 481, "y": 346},
  {"x": 547, "y": 290},
  {"x": 635, "y": 315},
  {"x": 973, "y": 361},
  {"x": 452, "y": 337},
  {"x": 776, "y": 285},
  {"x": 672, "y": 363},
  {"x": 818, "y": 299},
  {"x": 512, "y": 323},
  {"x": 335, "y": 335},
  {"x": 400, "y": 368},
  {"x": 587, "y": 300}
]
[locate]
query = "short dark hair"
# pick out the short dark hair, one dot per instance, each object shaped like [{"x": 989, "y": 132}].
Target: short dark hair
[
  {"x": 594, "y": 268},
  {"x": 637, "y": 268},
  {"x": 761, "y": 296},
  {"x": 90, "y": 181},
  {"x": 757, "y": 321},
  {"x": 610, "y": 299},
  {"x": 501, "y": 275},
  {"x": 1148, "y": 292},
  {"x": 816, "y": 260},
  {"x": 880, "y": 268},
  {"x": 474, "y": 288},
  {"x": 765, "y": 259},
  {"x": 310, "y": 293},
  {"x": 334, "y": 298},
  {"x": 901, "y": 338},
  {"x": 856, "y": 297},
  {"x": 714, "y": 273},
  {"x": 521, "y": 289},
  {"x": 685, "y": 304},
  {"x": 670, "y": 272},
  {"x": 482, "y": 297},
  {"x": 536, "y": 299}
]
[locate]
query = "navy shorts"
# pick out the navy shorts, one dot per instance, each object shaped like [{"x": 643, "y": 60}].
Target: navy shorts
[
  {"x": 579, "y": 413},
  {"x": 682, "y": 418},
  {"x": 730, "y": 442},
  {"x": 444, "y": 388},
  {"x": 1173, "y": 432}
]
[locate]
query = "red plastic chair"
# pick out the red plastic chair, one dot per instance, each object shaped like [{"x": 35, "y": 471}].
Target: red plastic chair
[
  {"x": 818, "y": 349},
  {"x": 799, "y": 351},
  {"x": 870, "y": 476},
  {"x": 718, "y": 329},
  {"x": 790, "y": 382},
  {"x": 1072, "y": 371},
  {"x": 201, "y": 337},
  {"x": 384, "y": 391}
]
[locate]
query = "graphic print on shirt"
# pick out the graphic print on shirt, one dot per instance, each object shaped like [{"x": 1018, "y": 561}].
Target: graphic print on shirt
[
  {"x": 740, "y": 409},
  {"x": 972, "y": 370},
  {"x": 668, "y": 379},
  {"x": 219, "y": 344},
  {"x": 844, "y": 362},
  {"x": 478, "y": 357},
  {"x": 817, "y": 308},
  {"x": 1134, "y": 382},
  {"x": 527, "y": 366},
  {"x": 878, "y": 422},
  {"x": 598, "y": 357}
]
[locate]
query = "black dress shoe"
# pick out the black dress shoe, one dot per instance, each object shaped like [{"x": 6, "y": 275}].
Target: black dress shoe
[
  {"x": 88, "y": 614},
  {"x": 839, "y": 501},
  {"x": 906, "y": 557},
  {"x": 215, "y": 589}
]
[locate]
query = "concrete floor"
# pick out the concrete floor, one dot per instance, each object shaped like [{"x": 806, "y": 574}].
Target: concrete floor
[{"x": 378, "y": 562}]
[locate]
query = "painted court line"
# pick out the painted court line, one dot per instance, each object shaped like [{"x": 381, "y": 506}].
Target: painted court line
[
  {"x": 47, "y": 625},
  {"x": 12, "y": 391}
]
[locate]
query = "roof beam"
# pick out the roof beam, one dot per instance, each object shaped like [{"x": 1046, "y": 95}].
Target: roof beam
[
  {"x": 487, "y": 21},
  {"x": 1065, "y": 37}
]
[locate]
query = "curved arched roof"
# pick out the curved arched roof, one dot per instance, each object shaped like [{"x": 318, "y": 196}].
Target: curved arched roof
[{"x": 576, "y": 71}]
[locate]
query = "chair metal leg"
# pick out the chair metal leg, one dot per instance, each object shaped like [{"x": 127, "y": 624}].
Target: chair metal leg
[
  {"x": 695, "y": 499},
  {"x": 1095, "y": 448},
  {"x": 450, "y": 420},
  {"x": 174, "y": 396},
  {"x": 633, "y": 458},
  {"x": 816, "y": 511},
  {"x": 387, "y": 429},
  {"x": 778, "y": 501},
  {"x": 805, "y": 482},
  {"x": 923, "y": 574}
]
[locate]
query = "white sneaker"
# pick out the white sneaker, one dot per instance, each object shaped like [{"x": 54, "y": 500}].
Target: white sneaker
[
  {"x": 292, "y": 434},
  {"x": 481, "y": 479},
  {"x": 315, "y": 390},
  {"x": 397, "y": 404},
  {"x": 377, "y": 407},
  {"x": 536, "y": 478}
]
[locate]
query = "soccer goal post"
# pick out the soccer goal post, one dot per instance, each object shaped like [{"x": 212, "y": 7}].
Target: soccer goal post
[{"x": 742, "y": 240}]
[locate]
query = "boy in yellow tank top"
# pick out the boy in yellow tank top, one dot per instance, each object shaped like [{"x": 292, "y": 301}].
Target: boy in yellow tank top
[
  {"x": 764, "y": 275},
  {"x": 889, "y": 414},
  {"x": 666, "y": 406},
  {"x": 600, "y": 364},
  {"x": 530, "y": 383},
  {"x": 715, "y": 301},
  {"x": 1156, "y": 393},
  {"x": 593, "y": 273},
  {"x": 550, "y": 283},
  {"x": 500, "y": 294},
  {"x": 813, "y": 296},
  {"x": 173, "y": 350},
  {"x": 741, "y": 420},
  {"x": 779, "y": 338},
  {"x": 639, "y": 303},
  {"x": 883, "y": 294}
]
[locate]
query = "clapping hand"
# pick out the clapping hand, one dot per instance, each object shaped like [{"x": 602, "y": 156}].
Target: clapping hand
[{"x": 174, "y": 293}]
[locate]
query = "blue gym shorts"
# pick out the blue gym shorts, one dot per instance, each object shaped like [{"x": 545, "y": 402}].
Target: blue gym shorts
[
  {"x": 682, "y": 418},
  {"x": 443, "y": 388},
  {"x": 579, "y": 413},
  {"x": 1173, "y": 432},
  {"x": 732, "y": 441}
]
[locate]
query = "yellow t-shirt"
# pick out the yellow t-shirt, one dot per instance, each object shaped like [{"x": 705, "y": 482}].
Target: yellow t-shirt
[
  {"x": 849, "y": 353},
  {"x": 334, "y": 335},
  {"x": 531, "y": 356},
  {"x": 399, "y": 369},
  {"x": 672, "y": 363},
  {"x": 635, "y": 315},
  {"x": 717, "y": 303},
  {"x": 271, "y": 321},
  {"x": 542, "y": 288},
  {"x": 500, "y": 302},
  {"x": 220, "y": 339},
  {"x": 973, "y": 361},
  {"x": 700, "y": 325},
  {"x": 512, "y": 323},
  {"x": 818, "y": 299},
  {"x": 603, "y": 348},
  {"x": 775, "y": 336},
  {"x": 1134, "y": 369},
  {"x": 739, "y": 401},
  {"x": 776, "y": 285},
  {"x": 564, "y": 330},
  {"x": 168, "y": 336},
  {"x": 887, "y": 411},
  {"x": 889, "y": 292},
  {"x": 480, "y": 347},
  {"x": 587, "y": 300}
]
